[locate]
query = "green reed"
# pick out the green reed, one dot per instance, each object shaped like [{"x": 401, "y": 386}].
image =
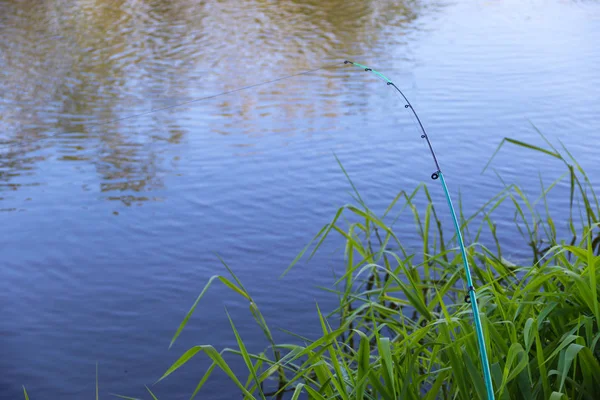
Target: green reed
[{"x": 402, "y": 329}]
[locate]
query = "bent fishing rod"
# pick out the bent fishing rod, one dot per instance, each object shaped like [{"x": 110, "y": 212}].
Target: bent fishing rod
[
  {"x": 471, "y": 297},
  {"x": 437, "y": 174}
]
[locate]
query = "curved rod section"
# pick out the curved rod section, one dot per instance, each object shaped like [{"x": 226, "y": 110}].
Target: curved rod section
[{"x": 408, "y": 105}]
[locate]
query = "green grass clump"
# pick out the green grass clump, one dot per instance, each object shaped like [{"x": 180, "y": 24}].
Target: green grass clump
[{"x": 402, "y": 329}]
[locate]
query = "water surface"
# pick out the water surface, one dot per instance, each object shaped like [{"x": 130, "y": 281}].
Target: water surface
[{"x": 109, "y": 229}]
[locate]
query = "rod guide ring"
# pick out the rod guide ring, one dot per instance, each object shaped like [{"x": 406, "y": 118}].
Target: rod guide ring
[{"x": 468, "y": 296}]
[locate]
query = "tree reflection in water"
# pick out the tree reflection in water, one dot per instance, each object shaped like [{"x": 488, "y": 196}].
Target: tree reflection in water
[{"x": 67, "y": 66}]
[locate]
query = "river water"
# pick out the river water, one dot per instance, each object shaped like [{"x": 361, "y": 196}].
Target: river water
[{"x": 110, "y": 227}]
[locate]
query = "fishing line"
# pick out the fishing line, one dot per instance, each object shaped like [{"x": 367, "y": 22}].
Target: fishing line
[
  {"x": 154, "y": 110},
  {"x": 437, "y": 174}
]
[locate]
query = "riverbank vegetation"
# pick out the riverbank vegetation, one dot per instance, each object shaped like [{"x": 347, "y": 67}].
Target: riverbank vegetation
[{"x": 402, "y": 328}]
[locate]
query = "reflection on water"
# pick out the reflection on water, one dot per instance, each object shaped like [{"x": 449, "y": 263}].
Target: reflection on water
[{"x": 70, "y": 65}]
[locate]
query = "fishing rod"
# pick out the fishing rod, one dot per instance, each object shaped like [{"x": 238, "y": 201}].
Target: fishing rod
[{"x": 472, "y": 296}]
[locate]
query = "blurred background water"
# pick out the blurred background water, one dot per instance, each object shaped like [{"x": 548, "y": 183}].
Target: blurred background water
[{"x": 108, "y": 231}]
